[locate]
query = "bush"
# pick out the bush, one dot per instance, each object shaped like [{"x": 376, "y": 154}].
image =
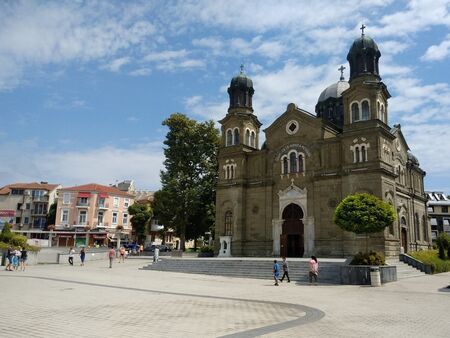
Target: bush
[
  {"x": 368, "y": 258},
  {"x": 431, "y": 257},
  {"x": 206, "y": 248},
  {"x": 443, "y": 243}
]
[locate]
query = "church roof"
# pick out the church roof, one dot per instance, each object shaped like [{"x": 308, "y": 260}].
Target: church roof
[{"x": 334, "y": 91}]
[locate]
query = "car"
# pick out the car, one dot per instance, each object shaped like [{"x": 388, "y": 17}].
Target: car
[{"x": 162, "y": 248}]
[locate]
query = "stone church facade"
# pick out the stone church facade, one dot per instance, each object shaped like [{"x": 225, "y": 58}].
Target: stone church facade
[{"x": 279, "y": 198}]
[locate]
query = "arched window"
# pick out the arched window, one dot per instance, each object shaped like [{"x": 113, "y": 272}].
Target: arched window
[
  {"x": 247, "y": 137},
  {"x": 365, "y": 110},
  {"x": 293, "y": 162},
  {"x": 285, "y": 165},
  {"x": 383, "y": 114},
  {"x": 253, "y": 139},
  {"x": 355, "y": 112},
  {"x": 236, "y": 137},
  {"x": 363, "y": 154},
  {"x": 229, "y": 137},
  {"x": 301, "y": 164},
  {"x": 356, "y": 158},
  {"x": 228, "y": 223},
  {"x": 227, "y": 175}
]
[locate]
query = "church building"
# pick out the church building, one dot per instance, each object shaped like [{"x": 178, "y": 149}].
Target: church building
[{"x": 279, "y": 198}]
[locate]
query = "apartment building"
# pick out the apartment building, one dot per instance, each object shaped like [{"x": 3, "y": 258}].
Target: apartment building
[
  {"x": 92, "y": 214},
  {"x": 26, "y": 205},
  {"x": 438, "y": 206}
]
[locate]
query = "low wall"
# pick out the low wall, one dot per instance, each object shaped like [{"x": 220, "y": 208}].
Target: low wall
[
  {"x": 360, "y": 274},
  {"x": 97, "y": 255}
]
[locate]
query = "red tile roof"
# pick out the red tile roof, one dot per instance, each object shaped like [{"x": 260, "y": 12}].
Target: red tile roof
[
  {"x": 32, "y": 186},
  {"x": 93, "y": 187}
]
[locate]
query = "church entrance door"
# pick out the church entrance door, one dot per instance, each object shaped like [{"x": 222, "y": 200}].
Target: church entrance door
[
  {"x": 291, "y": 239},
  {"x": 404, "y": 240}
]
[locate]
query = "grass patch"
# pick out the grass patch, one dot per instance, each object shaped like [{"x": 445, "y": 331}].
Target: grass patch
[{"x": 431, "y": 257}]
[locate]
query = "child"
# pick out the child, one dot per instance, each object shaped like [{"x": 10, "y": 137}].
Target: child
[{"x": 276, "y": 272}]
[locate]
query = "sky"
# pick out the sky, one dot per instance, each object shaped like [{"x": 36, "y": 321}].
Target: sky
[{"x": 85, "y": 85}]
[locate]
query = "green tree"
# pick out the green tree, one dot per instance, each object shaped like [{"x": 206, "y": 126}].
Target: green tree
[
  {"x": 443, "y": 242},
  {"x": 51, "y": 215},
  {"x": 6, "y": 235},
  {"x": 186, "y": 201},
  {"x": 364, "y": 214},
  {"x": 142, "y": 213}
]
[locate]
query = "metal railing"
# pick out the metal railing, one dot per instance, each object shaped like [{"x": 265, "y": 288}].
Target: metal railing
[{"x": 416, "y": 263}]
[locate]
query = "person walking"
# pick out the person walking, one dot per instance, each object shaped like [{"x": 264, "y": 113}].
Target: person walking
[
  {"x": 285, "y": 266},
  {"x": 71, "y": 253},
  {"x": 111, "y": 255},
  {"x": 141, "y": 250},
  {"x": 276, "y": 272},
  {"x": 23, "y": 259},
  {"x": 82, "y": 256},
  {"x": 313, "y": 270},
  {"x": 122, "y": 254},
  {"x": 9, "y": 257},
  {"x": 16, "y": 258}
]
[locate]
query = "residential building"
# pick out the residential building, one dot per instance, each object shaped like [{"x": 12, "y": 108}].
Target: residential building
[
  {"x": 26, "y": 205},
  {"x": 92, "y": 214},
  {"x": 438, "y": 206},
  {"x": 279, "y": 198}
]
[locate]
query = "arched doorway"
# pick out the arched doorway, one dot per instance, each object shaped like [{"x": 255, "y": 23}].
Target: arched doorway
[
  {"x": 404, "y": 237},
  {"x": 291, "y": 239}
]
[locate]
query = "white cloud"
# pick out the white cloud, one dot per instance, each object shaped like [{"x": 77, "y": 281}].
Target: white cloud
[
  {"x": 438, "y": 52},
  {"x": 166, "y": 55},
  {"x": 116, "y": 64},
  {"x": 141, "y": 72},
  {"x": 104, "y": 165}
]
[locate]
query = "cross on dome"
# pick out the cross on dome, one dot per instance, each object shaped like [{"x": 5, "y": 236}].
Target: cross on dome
[
  {"x": 362, "y": 29},
  {"x": 341, "y": 69}
]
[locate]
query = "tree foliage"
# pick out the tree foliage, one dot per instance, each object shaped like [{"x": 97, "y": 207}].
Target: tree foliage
[
  {"x": 51, "y": 215},
  {"x": 443, "y": 243},
  {"x": 186, "y": 201},
  {"x": 142, "y": 213},
  {"x": 364, "y": 214}
]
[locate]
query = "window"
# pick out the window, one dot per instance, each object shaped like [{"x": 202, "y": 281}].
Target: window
[
  {"x": 65, "y": 216},
  {"x": 430, "y": 209},
  {"x": 100, "y": 218},
  {"x": 28, "y": 206},
  {"x": 445, "y": 209},
  {"x": 365, "y": 110},
  {"x": 355, "y": 112},
  {"x": 360, "y": 153},
  {"x": 116, "y": 202},
  {"x": 125, "y": 219},
  {"x": 363, "y": 154},
  {"x": 300, "y": 163},
  {"x": 126, "y": 202},
  {"x": 285, "y": 166},
  {"x": 253, "y": 139},
  {"x": 228, "y": 223},
  {"x": 66, "y": 198},
  {"x": 357, "y": 158},
  {"x": 101, "y": 202},
  {"x": 16, "y": 191},
  {"x": 83, "y": 201},
  {"x": 247, "y": 137},
  {"x": 236, "y": 136},
  {"x": 293, "y": 162},
  {"x": 383, "y": 114},
  {"x": 114, "y": 218},
  {"x": 229, "y": 140},
  {"x": 82, "y": 217},
  {"x": 19, "y": 206},
  {"x": 17, "y": 220},
  {"x": 26, "y": 220}
]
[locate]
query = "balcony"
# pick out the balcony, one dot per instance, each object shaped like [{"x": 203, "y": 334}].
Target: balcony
[
  {"x": 103, "y": 205},
  {"x": 101, "y": 225},
  {"x": 43, "y": 198},
  {"x": 82, "y": 204}
]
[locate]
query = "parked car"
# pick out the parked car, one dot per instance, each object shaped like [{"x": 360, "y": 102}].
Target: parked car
[{"x": 162, "y": 248}]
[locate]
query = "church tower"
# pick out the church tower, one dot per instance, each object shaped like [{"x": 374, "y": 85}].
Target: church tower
[
  {"x": 240, "y": 139},
  {"x": 366, "y": 99}
]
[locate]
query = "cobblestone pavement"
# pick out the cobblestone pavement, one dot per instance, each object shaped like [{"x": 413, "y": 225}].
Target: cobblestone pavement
[{"x": 95, "y": 301}]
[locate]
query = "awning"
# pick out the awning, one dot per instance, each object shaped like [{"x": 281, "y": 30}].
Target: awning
[
  {"x": 84, "y": 194},
  {"x": 103, "y": 195},
  {"x": 99, "y": 236}
]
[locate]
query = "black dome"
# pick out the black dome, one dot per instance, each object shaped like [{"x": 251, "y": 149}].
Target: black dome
[
  {"x": 362, "y": 43},
  {"x": 363, "y": 58},
  {"x": 241, "y": 81}
]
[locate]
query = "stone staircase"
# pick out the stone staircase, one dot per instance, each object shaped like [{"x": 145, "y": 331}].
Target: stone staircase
[
  {"x": 404, "y": 270},
  {"x": 258, "y": 268}
]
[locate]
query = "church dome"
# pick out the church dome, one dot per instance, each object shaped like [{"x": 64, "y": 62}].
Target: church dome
[
  {"x": 335, "y": 90},
  {"x": 413, "y": 160},
  {"x": 362, "y": 44},
  {"x": 241, "y": 81}
]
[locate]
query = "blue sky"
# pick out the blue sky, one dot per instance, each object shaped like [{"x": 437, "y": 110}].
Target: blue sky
[{"x": 85, "y": 85}]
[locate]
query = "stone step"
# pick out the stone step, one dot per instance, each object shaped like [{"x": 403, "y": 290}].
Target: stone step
[{"x": 404, "y": 270}]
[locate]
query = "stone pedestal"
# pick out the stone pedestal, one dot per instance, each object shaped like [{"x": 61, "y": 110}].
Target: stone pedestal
[{"x": 225, "y": 246}]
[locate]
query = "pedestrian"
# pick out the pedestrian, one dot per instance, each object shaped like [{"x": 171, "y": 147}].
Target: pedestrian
[
  {"x": 285, "y": 266},
  {"x": 23, "y": 259},
  {"x": 82, "y": 256},
  {"x": 276, "y": 272},
  {"x": 111, "y": 255},
  {"x": 71, "y": 253},
  {"x": 9, "y": 257},
  {"x": 313, "y": 270},
  {"x": 141, "y": 250},
  {"x": 16, "y": 258},
  {"x": 122, "y": 254}
]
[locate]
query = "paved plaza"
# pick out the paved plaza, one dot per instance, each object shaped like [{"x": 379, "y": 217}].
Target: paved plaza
[{"x": 125, "y": 301}]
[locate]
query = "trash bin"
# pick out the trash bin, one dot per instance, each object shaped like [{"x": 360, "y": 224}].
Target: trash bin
[
  {"x": 375, "y": 278},
  {"x": 156, "y": 255}
]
